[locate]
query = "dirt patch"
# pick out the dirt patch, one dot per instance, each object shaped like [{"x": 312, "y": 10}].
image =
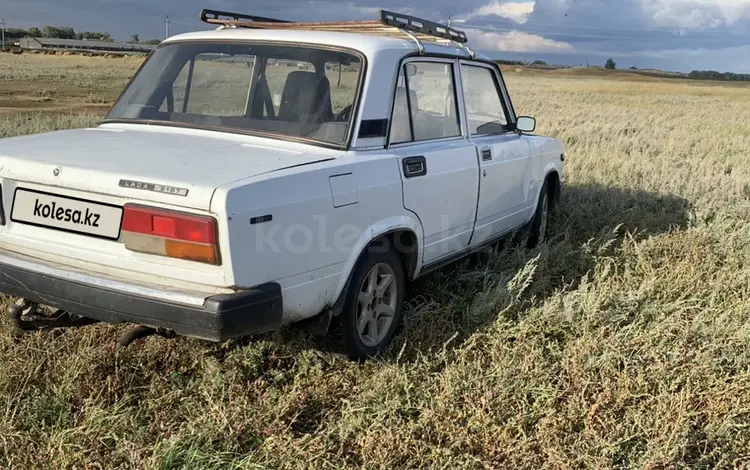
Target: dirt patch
[
  {"x": 54, "y": 98},
  {"x": 32, "y": 104}
]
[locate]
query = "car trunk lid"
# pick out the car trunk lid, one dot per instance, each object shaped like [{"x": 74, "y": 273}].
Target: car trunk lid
[
  {"x": 62, "y": 194},
  {"x": 137, "y": 162}
]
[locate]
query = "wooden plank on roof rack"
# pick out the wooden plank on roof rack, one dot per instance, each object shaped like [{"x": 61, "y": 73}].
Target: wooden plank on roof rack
[{"x": 363, "y": 27}]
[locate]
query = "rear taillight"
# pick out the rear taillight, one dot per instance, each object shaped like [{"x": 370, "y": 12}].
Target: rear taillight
[{"x": 170, "y": 233}]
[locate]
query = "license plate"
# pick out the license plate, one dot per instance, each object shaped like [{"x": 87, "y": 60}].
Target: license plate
[{"x": 68, "y": 214}]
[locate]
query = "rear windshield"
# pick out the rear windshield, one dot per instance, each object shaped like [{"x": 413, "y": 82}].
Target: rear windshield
[{"x": 297, "y": 92}]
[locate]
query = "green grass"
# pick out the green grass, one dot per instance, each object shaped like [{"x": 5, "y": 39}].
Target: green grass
[{"x": 623, "y": 342}]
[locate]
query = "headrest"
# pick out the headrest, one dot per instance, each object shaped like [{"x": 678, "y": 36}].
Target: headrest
[{"x": 306, "y": 98}]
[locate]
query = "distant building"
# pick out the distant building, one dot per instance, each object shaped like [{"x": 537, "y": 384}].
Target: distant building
[{"x": 83, "y": 45}]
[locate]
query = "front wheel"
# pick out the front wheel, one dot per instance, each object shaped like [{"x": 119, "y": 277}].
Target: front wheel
[
  {"x": 372, "y": 309},
  {"x": 537, "y": 230},
  {"x": 539, "y": 225}
]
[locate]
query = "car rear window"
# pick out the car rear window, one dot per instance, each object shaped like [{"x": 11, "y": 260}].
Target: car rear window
[{"x": 288, "y": 91}]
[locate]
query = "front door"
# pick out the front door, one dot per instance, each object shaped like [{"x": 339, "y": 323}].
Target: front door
[
  {"x": 439, "y": 167},
  {"x": 504, "y": 156}
]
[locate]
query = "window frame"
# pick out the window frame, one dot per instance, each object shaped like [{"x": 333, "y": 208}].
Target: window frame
[
  {"x": 457, "y": 96},
  {"x": 502, "y": 94}
]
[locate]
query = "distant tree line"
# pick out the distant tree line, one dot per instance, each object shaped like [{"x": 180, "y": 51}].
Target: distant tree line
[
  {"x": 66, "y": 32},
  {"x": 63, "y": 32},
  {"x": 713, "y": 75},
  {"x": 519, "y": 62},
  {"x": 695, "y": 74}
]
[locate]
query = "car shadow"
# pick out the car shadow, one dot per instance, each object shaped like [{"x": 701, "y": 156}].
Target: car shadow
[
  {"x": 441, "y": 308},
  {"x": 446, "y": 307}
]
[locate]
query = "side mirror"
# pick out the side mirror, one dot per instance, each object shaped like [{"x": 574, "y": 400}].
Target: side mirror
[
  {"x": 411, "y": 70},
  {"x": 526, "y": 124}
]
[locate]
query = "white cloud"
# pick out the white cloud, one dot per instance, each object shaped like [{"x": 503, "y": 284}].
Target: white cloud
[
  {"x": 697, "y": 14},
  {"x": 516, "y": 11},
  {"x": 515, "y": 41}
]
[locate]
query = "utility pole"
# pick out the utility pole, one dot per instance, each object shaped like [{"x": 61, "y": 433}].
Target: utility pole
[
  {"x": 166, "y": 22},
  {"x": 449, "y": 21},
  {"x": 2, "y": 24}
]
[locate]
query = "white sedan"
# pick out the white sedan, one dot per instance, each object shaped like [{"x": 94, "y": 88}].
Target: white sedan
[{"x": 252, "y": 177}]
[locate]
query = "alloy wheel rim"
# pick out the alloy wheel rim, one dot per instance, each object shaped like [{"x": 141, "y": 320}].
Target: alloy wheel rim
[{"x": 376, "y": 304}]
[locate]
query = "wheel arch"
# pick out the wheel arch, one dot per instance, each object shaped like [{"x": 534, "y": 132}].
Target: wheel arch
[
  {"x": 404, "y": 233},
  {"x": 554, "y": 185},
  {"x": 551, "y": 177}
]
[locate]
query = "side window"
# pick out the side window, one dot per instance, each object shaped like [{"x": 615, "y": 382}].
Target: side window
[
  {"x": 179, "y": 86},
  {"x": 425, "y": 103},
  {"x": 484, "y": 104},
  {"x": 401, "y": 122},
  {"x": 213, "y": 84}
]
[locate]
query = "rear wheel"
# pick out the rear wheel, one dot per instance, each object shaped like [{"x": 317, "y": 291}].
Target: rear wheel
[{"x": 372, "y": 310}]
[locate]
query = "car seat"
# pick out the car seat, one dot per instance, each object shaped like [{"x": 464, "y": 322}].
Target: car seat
[{"x": 306, "y": 98}]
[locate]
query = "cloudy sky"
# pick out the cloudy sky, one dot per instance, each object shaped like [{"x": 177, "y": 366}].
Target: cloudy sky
[{"x": 677, "y": 35}]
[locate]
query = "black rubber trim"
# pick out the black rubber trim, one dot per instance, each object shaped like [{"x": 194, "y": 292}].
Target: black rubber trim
[
  {"x": 2, "y": 209},
  {"x": 220, "y": 318},
  {"x": 469, "y": 250},
  {"x": 373, "y": 128}
]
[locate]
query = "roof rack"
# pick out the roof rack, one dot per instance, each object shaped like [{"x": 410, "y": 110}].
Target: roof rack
[
  {"x": 389, "y": 24},
  {"x": 213, "y": 17}
]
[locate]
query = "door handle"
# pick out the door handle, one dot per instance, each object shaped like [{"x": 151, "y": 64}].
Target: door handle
[
  {"x": 486, "y": 154},
  {"x": 414, "y": 166}
]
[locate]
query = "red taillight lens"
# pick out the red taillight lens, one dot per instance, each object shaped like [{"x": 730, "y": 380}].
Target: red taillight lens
[
  {"x": 163, "y": 226},
  {"x": 170, "y": 233}
]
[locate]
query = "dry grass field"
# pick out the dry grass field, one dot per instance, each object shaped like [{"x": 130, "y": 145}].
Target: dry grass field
[{"x": 623, "y": 342}]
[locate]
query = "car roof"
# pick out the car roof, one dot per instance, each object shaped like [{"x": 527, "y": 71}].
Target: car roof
[{"x": 368, "y": 44}]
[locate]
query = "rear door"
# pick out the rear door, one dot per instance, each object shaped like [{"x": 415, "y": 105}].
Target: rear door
[
  {"x": 438, "y": 164},
  {"x": 504, "y": 155}
]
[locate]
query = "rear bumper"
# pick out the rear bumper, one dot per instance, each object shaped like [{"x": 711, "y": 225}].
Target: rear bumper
[{"x": 212, "y": 317}]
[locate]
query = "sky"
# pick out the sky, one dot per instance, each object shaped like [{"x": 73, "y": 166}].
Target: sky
[{"x": 678, "y": 35}]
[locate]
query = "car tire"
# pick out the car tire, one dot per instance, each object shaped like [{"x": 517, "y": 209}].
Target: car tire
[
  {"x": 372, "y": 311},
  {"x": 539, "y": 228}
]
